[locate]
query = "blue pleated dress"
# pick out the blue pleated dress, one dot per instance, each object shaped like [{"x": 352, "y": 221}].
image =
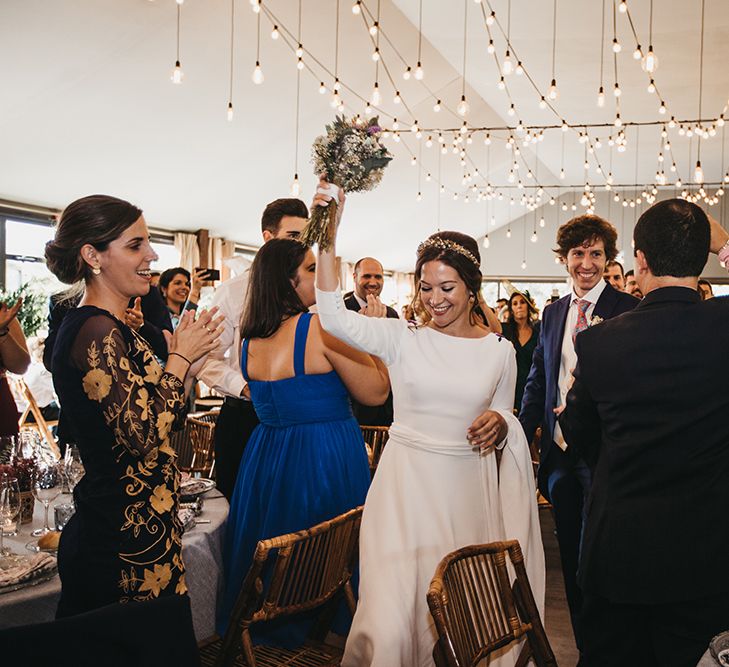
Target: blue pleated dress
[{"x": 304, "y": 463}]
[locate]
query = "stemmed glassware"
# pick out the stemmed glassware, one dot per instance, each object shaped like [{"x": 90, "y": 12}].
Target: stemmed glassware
[
  {"x": 47, "y": 484},
  {"x": 73, "y": 467},
  {"x": 9, "y": 509}
]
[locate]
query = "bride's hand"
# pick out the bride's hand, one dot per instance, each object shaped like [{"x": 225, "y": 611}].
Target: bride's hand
[
  {"x": 487, "y": 430},
  {"x": 323, "y": 200}
]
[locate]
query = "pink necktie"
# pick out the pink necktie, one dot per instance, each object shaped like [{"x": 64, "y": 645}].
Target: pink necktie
[{"x": 581, "y": 324}]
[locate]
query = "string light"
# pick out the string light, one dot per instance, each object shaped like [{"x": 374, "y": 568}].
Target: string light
[
  {"x": 357, "y": 7},
  {"x": 649, "y": 62},
  {"x": 177, "y": 73},
  {"x": 274, "y": 32}
]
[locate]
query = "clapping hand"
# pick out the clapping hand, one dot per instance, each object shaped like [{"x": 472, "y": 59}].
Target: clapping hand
[
  {"x": 194, "y": 337},
  {"x": 487, "y": 430},
  {"x": 134, "y": 317},
  {"x": 7, "y": 314},
  {"x": 374, "y": 307}
]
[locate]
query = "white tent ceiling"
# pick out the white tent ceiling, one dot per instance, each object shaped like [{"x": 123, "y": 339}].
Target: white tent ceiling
[{"x": 88, "y": 106}]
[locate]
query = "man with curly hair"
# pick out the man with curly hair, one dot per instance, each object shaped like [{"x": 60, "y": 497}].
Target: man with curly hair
[{"x": 585, "y": 245}]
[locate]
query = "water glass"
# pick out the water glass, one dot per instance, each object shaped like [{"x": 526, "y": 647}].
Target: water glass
[
  {"x": 47, "y": 484},
  {"x": 9, "y": 506}
]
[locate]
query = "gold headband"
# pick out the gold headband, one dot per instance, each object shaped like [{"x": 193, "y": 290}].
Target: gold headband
[{"x": 446, "y": 244}]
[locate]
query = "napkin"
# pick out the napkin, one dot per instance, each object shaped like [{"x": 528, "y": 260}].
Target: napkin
[{"x": 27, "y": 568}]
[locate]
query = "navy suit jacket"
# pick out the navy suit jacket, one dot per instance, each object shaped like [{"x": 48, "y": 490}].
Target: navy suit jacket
[{"x": 542, "y": 391}]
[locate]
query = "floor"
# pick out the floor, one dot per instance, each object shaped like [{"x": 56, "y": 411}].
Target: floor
[{"x": 558, "y": 627}]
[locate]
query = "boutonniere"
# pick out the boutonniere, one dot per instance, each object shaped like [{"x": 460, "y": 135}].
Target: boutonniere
[{"x": 595, "y": 319}]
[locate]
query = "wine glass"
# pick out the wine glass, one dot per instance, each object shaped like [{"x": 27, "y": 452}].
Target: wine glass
[
  {"x": 47, "y": 484},
  {"x": 9, "y": 506},
  {"x": 29, "y": 443},
  {"x": 73, "y": 466}
]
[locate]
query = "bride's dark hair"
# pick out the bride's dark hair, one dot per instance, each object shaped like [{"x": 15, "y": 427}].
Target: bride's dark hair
[
  {"x": 271, "y": 292},
  {"x": 468, "y": 270}
]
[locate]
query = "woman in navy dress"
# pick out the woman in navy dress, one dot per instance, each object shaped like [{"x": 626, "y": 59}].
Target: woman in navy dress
[{"x": 305, "y": 462}]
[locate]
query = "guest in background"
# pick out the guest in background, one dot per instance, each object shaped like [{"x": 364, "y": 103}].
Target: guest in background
[
  {"x": 522, "y": 330},
  {"x": 705, "y": 290},
  {"x": 584, "y": 244},
  {"x": 179, "y": 295},
  {"x": 282, "y": 218},
  {"x": 305, "y": 462},
  {"x": 40, "y": 382},
  {"x": 369, "y": 279},
  {"x": 654, "y": 555},
  {"x": 124, "y": 541},
  {"x": 631, "y": 285},
  {"x": 154, "y": 279},
  {"x": 615, "y": 275},
  {"x": 502, "y": 310},
  {"x": 14, "y": 358}
]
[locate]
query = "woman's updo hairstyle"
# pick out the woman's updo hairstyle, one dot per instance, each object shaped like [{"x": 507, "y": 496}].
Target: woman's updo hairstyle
[
  {"x": 97, "y": 220},
  {"x": 460, "y": 252}
]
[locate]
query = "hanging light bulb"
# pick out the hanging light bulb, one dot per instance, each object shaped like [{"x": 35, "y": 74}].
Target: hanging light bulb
[
  {"x": 376, "y": 99},
  {"x": 373, "y": 28},
  {"x": 182, "y": 2},
  {"x": 651, "y": 87},
  {"x": 565, "y": 127},
  {"x": 623, "y": 7},
  {"x": 419, "y": 72},
  {"x": 616, "y": 45},
  {"x": 511, "y": 111},
  {"x": 357, "y": 7},
  {"x": 463, "y": 107},
  {"x": 523, "y": 264},
  {"x": 501, "y": 84},
  {"x": 486, "y": 242},
  {"x": 229, "y": 113},
  {"x": 397, "y": 99},
  {"x": 561, "y": 174},
  {"x": 395, "y": 124},
  {"x": 257, "y": 75},
  {"x": 508, "y": 233},
  {"x": 463, "y": 130},
  {"x": 662, "y": 108},
  {"x": 368, "y": 109},
  {"x": 491, "y": 18},
  {"x": 601, "y": 97},
  {"x": 638, "y": 53},
  {"x": 177, "y": 73},
  {"x": 376, "y": 54},
  {"x": 650, "y": 61},
  {"x": 295, "y": 187},
  {"x": 541, "y": 220},
  {"x": 436, "y": 106},
  {"x": 414, "y": 127},
  {"x": 534, "y": 238},
  {"x": 334, "y": 102},
  {"x": 616, "y": 90},
  {"x": 491, "y": 48},
  {"x": 507, "y": 67},
  {"x": 698, "y": 173},
  {"x": 255, "y": 5},
  {"x": 429, "y": 142},
  {"x": 720, "y": 121},
  {"x": 553, "y": 93},
  {"x": 413, "y": 161},
  {"x": 406, "y": 74},
  {"x": 274, "y": 32},
  {"x": 322, "y": 88},
  {"x": 618, "y": 123},
  {"x": 542, "y": 103},
  {"x": 487, "y": 139},
  {"x": 300, "y": 64},
  {"x": 519, "y": 68},
  {"x": 300, "y": 51}
]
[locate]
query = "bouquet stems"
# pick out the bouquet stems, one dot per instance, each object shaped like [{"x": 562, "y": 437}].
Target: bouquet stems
[{"x": 321, "y": 227}]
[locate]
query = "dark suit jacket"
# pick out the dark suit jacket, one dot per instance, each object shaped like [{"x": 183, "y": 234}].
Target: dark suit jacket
[
  {"x": 542, "y": 392},
  {"x": 371, "y": 415},
  {"x": 650, "y": 409}
]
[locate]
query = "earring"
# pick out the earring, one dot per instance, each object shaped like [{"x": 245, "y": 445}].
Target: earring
[{"x": 96, "y": 270}]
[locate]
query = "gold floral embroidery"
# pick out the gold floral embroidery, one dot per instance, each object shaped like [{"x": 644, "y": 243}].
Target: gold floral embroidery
[
  {"x": 181, "y": 587},
  {"x": 164, "y": 424},
  {"x": 161, "y": 499},
  {"x": 153, "y": 372},
  {"x": 156, "y": 580},
  {"x": 97, "y": 384}
]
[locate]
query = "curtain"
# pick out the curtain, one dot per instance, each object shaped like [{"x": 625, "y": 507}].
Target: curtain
[
  {"x": 346, "y": 279},
  {"x": 405, "y": 286},
  {"x": 186, "y": 245}
]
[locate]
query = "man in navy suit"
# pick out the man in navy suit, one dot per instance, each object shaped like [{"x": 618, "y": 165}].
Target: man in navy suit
[
  {"x": 584, "y": 244},
  {"x": 653, "y": 564}
]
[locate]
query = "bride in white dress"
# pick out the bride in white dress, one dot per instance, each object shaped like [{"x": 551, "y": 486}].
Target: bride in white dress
[{"x": 437, "y": 486}]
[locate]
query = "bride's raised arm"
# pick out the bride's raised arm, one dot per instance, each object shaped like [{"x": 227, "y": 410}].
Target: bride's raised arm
[{"x": 377, "y": 336}]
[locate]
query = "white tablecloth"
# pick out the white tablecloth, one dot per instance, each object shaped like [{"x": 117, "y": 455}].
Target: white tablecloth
[{"x": 201, "y": 551}]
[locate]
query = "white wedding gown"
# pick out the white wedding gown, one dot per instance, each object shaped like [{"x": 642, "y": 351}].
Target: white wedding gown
[{"x": 432, "y": 493}]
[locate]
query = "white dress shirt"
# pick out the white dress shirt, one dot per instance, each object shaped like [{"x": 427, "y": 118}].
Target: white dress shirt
[
  {"x": 569, "y": 356},
  {"x": 222, "y": 370}
]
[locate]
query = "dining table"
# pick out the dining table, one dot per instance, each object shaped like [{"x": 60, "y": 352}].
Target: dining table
[{"x": 202, "y": 546}]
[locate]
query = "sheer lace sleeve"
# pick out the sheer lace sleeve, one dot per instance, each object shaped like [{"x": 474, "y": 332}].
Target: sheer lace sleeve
[{"x": 139, "y": 401}]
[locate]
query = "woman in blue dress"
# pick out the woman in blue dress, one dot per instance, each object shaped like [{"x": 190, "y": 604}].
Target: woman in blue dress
[{"x": 305, "y": 462}]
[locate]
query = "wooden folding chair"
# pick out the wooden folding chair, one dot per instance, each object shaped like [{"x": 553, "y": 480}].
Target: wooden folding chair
[
  {"x": 41, "y": 425},
  {"x": 477, "y": 612},
  {"x": 194, "y": 443},
  {"x": 375, "y": 438},
  {"x": 306, "y": 570}
]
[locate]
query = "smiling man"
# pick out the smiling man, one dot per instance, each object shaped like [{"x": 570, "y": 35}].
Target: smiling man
[{"x": 585, "y": 245}]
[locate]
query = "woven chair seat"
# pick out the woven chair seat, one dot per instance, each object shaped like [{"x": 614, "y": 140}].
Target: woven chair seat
[{"x": 312, "y": 654}]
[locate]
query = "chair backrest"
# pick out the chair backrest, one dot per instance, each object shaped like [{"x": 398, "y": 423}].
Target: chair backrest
[
  {"x": 292, "y": 574},
  {"x": 477, "y": 611},
  {"x": 40, "y": 423},
  {"x": 192, "y": 436},
  {"x": 375, "y": 438}
]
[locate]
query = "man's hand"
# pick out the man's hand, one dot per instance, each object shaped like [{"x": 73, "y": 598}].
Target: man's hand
[
  {"x": 719, "y": 235},
  {"x": 133, "y": 317},
  {"x": 374, "y": 307}
]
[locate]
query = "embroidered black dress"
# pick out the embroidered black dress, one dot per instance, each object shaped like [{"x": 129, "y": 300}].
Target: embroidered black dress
[{"x": 124, "y": 541}]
